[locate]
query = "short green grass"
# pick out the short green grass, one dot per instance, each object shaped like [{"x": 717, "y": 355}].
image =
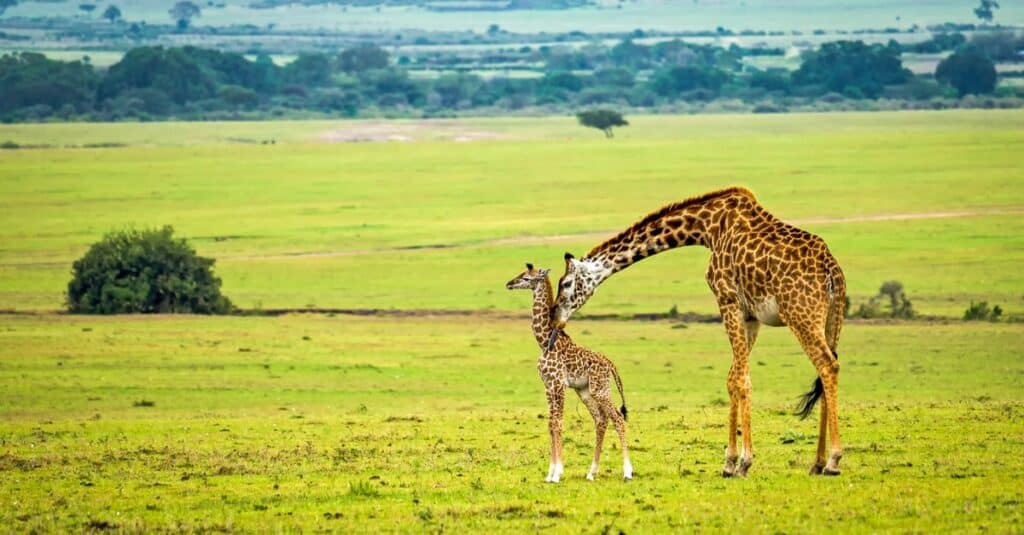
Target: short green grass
[
  {"x": 429, "y": 424},
  {"x": 304, "y": 222}
]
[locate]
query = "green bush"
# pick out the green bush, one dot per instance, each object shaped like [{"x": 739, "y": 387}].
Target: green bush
[
  {"x": 981, "y": 312},
  {"x": 144, "y": 271}
]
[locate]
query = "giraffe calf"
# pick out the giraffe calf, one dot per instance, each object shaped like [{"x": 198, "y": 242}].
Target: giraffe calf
[{"x": 564, "y": 364}]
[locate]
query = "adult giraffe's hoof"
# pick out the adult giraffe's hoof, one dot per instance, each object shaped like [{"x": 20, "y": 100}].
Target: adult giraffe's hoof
[
  {"x": 741, "y": 470},
  {"x": 816, "y": 469},
  {"x": 832, "y": 468},
  {"x": 729, "y": 469}
]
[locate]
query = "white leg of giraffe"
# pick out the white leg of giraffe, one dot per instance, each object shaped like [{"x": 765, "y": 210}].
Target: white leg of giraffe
[{"x": 556, "y": 402}]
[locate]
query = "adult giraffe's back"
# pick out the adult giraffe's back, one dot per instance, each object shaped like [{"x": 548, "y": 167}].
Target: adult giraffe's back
[{"x": 762, "y": 270}]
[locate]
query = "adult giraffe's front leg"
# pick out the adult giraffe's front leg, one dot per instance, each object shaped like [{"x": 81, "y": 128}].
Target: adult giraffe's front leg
[{"x": 738, "y": 384}]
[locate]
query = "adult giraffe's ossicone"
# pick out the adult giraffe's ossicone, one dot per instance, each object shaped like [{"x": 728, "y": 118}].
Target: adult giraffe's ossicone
[{"x": 762, "y": 270}]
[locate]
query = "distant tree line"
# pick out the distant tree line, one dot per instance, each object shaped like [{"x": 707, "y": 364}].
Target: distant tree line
[{"x": 196, "y": 83}]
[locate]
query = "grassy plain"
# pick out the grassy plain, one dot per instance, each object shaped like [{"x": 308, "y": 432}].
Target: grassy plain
[
  {"x": 375, "y": 424},
  {"x": 435, "y": 422},
  {"x": 438, "y": 223}
]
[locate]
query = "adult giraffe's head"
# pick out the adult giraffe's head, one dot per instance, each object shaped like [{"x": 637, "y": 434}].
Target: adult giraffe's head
[
  {"x": 528, "y": 279},
  {"x": 579, "y": 282}
]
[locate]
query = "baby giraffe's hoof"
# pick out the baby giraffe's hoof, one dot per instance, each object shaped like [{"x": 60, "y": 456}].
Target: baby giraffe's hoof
[
  {"x": 816, "y": 469},
  {"x": 627, "y": 471},
  {"x": 831, "y": 471}
]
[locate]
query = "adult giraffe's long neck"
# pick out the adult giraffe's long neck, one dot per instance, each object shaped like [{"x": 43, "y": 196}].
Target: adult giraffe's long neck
[
  {"x": 697, "y": 221},
  {"x": 543, "y": 299}
]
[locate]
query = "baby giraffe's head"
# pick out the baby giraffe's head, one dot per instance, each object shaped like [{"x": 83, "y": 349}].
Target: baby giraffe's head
[{"x": 528, "y": 279}]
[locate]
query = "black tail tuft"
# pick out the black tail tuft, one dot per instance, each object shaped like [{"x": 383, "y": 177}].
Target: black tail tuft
[
  {"x": 808, "y": 400},
  {"x": 625, "y": 413}
]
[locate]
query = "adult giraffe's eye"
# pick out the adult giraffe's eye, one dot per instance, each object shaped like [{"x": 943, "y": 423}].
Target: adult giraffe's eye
[{"x": 566, "y": 284}]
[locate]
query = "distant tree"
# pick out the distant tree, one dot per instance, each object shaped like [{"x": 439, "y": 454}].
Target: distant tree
[
  {"x": 984, "y": 9},
  {"x": 313, "y": 69},
  {"x": 774, "y": 80},
  {"x": 112, "y": 13},
  {"x": 87, "y": 8},
  {"x": 31, "y": 79},
  {"x": 969, "y": 70},
  {"x": 183, "y": 12},
  {"x": 852, "y": 68},
  {"x": 602, "y": 119},
  {"x": 999, "y": 46},
  {"x": 362, "y": 57},
  {"x": 671, "y": 82},
  {"x": 615, "y": 76},
  {"x": 4, "y": 4},
  {"x": 493, "y": 29},
  {"x": 237, "y": 96},
  {"x": 177, "y": 72}
]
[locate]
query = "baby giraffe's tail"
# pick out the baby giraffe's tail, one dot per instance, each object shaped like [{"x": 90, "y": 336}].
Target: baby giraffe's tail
[{"x": 618, "y": 383}]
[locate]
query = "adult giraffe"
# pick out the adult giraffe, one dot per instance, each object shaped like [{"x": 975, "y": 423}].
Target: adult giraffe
[{"x": 762, "y": 270}]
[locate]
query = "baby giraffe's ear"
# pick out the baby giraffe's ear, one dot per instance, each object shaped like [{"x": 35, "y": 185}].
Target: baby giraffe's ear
[
  {"x": 544, "y": 272},
  {"x": 529, "y": 266}
]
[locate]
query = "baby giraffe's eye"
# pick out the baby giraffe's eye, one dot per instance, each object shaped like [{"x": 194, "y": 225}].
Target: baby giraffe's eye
[{"x": 566, "y": 284}]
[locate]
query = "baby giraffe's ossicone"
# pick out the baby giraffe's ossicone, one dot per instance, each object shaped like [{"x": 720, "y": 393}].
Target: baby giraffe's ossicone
[{"x": 564, "y": 364}]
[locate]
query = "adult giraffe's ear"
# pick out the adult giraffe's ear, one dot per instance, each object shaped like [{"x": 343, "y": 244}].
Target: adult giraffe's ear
[
  {"x": 569, "y": 256},
  {"x": 544, "y": 272}
]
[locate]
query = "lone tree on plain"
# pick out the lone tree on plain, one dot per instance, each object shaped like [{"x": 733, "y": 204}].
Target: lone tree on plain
[
  {"x": 112, "y": 13},
  {"x": 601, "y": 119},
  {"x": 183, "y": 13},
  {"x": 144, "y": 271},
  {"x": 984, "y": 9},
  {"x": 87, "y": 8}
]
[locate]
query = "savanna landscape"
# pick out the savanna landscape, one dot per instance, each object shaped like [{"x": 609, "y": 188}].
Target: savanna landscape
[
  {"x": 382, "y": 379},
  {"x": 361, "y": 178}
]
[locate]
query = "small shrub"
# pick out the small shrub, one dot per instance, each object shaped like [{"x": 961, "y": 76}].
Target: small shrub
[
  {"x": 363, "y": 489},
  {"x": 144, "y": 271},
  {"x": 981, "y": 312},
  {"x": 899, "y": 305}
]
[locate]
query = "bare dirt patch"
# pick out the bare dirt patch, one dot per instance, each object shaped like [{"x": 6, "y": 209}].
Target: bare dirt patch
[{"x": 404, "y": 131}]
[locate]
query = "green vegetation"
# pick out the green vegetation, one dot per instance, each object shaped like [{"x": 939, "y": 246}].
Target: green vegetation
[
  {"x": 410, "y": 421},
  {"x": 309, "y": 422},
  {"x": 364, "y": 80},
  {"x": 144, "y": 271},
  {"x": 331, "y": 213},
  {"x": 601, "y": 119}
]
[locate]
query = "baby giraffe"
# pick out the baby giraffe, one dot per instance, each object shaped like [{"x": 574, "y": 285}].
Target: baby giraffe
[{"x": 566, "y": 364}]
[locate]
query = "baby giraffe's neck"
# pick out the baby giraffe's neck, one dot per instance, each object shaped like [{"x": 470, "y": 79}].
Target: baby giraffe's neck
[{"x": 543, "y": 300}]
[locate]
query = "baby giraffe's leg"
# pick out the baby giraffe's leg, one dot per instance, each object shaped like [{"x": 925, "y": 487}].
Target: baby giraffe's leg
[
  {"x": 600, "y": 424},
  {"x": 556, "y": 402},
  {"x": 613, "y": 414}
]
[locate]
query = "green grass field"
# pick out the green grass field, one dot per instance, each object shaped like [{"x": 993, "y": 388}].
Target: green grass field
[{"x": 434, "y": 421}]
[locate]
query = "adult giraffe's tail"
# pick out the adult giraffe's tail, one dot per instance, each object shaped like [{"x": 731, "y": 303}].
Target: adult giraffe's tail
[
  {"x": 836, "y": 286},
  {"x": 622, "y": 395}
]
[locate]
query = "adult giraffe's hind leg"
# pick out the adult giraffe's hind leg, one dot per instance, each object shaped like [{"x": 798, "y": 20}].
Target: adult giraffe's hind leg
[
  {"x": 819, "y": 457},
  {"x": 812, "y": 337}
]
